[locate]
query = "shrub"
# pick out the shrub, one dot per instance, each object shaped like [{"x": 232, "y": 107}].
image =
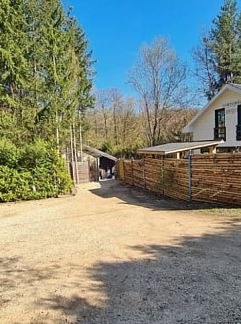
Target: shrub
[
  {"x": 37, "y": 154},
  {"x": 33, "y": 172},
  {"x": 15, "y": 185},
  {"x": 9, "y": 154}
]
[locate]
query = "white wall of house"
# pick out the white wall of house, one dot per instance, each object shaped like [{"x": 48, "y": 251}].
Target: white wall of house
[{"x": 203, "y": 127}]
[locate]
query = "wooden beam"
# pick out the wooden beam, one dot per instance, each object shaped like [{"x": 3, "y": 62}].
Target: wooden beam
[{"x": 213, "y": 150}]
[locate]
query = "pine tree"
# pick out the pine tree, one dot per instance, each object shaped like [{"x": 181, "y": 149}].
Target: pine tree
[
  {"x": 237, "y": 54},
  {"x": 14, "y": 68},
  {"x": 52, "y": 20},
  {"x": 67, "y": 69},
  {"x": 223, "y": 42},
  {"x": 45, "y": 71},
  {"x": 218, "y": 58}
]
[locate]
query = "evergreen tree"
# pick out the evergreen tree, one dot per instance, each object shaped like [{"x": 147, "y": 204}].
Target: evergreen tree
[
  {"x": 223, "y": 42},
  {"x": 79, "y": 72},
  {"x": 45, "y": 71},
  {"x": 55, "y": 41},
  {"x": 237, "y": 54},
  {"x": 67, "y": 73},
  {"x": 218, "y": 58},
  {"x": 14, "y": 68}
]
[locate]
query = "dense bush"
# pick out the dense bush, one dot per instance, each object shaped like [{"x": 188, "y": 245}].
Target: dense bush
[
  {"x": 32, "y": 172},
  {"x": 9, "y": 154}
]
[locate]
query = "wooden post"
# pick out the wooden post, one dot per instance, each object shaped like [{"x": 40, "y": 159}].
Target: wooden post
[
  {"x": 162, "y": 166},
  {"x": 212, "y": 150},
  {"x": 144, "y": 173},
  {"x": 190, "y": 177},
  {"x": 97, "y": 169},
  {"x": 89, "y": 169}
]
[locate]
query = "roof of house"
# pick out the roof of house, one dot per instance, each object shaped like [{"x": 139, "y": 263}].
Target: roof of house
[
  {"x": 230, "y": 86},
  {"x": 171, "y": 148},
  {"x": 236, "y": 85},
  {"x": 97, "y": 153}
]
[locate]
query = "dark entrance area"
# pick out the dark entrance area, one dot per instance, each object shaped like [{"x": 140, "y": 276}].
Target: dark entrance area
[
  {"x": 106, "y": 167},
  {"x": 105, "y": 163}
]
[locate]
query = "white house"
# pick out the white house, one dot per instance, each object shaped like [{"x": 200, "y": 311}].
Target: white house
[{"x": 220, "y": 119}]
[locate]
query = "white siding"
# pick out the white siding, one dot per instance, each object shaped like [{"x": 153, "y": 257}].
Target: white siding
[{"x": 203, "y": 127}]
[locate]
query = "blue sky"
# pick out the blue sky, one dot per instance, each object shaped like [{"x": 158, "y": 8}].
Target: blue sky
[{"x": 117, "y": 28}]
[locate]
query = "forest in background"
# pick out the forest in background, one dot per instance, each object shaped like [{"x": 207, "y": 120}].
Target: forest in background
[
  {"x": 47, "y": 77},
  {"x": 167, "y": 90},
  {"x": 119, "y": 125},
  {"x": 48, "y": 103},
  {"x": 45, "y": 88}
]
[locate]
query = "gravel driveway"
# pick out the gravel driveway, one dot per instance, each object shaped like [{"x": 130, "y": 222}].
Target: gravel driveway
[{"x": 112, "y": 255}]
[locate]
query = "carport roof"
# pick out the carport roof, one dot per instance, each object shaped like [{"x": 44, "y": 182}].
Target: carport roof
[
  {"x": 171, "y": 148},
  {"x": 97, "y": 153}
]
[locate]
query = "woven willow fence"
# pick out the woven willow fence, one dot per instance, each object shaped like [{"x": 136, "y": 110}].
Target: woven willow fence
[{"x": 203, "y": 178}]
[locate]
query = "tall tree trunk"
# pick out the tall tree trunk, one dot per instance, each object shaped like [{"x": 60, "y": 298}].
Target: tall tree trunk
[
  {"x": 105, "y": 121},
  {"x": 72, "y": 155},
  {"x": 80, "y": 138},
  {"x": 75, "y": 155},
  {"x": 150, "y": 136},
  {"x": 115, "y": 125}
]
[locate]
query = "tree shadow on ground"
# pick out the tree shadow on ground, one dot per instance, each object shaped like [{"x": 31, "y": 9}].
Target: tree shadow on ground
[
  {"x": 15, "y": 272},
  {"x": 193, "y": 280},
  {"x": 136, "y": 196}
]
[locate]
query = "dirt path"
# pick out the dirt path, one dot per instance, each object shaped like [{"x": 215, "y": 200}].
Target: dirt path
[{"x": 114, "y": 255}]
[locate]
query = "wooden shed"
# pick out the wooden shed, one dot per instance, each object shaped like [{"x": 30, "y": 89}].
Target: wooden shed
[{"x": 105, "y": 163}]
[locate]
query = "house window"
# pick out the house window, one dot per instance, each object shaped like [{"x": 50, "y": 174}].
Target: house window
[
  {"x": 220, "y": 129},
  {"x": 238, "y": 127}
]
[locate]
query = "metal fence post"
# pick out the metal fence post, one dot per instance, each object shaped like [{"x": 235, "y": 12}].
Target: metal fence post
[
  {"x": 190, "y": 177},
  {"x": 144, "y": 173},
  {"x": 132, "y": 171}
]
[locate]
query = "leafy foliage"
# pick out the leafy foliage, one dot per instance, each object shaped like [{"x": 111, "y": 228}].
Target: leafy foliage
[
  {"x": 45, "y": 88},
  {"x": 33, "y": 172},
  {"x": 9, "y": 155}
]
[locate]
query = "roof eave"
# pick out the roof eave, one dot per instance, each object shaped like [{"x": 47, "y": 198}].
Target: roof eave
[
  {"x": 151, "y": 152},
  {"x": 163, "y": 153},
  {"x": 225, "y": 87},
  {"x": 97, "y": 153}
]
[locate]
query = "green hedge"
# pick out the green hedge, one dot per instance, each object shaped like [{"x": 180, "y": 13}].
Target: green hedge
[{"x": 34, "y": 171}]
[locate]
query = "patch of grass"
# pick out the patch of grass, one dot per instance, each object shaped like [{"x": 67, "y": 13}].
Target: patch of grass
[{"x": 222, "y": 211}]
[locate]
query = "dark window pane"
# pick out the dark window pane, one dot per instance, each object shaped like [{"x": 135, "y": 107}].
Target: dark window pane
[
  {"x": 220, "y": 129},
  {"x": 239, "y": 115},
  {"x": 220, "y": 118}
]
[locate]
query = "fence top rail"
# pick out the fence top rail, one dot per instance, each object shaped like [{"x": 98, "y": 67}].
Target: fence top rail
[
  {"x": 217, "y": 156},
  {"x": 166, "y": 159},
  {"x": 194, "y": 156}
]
